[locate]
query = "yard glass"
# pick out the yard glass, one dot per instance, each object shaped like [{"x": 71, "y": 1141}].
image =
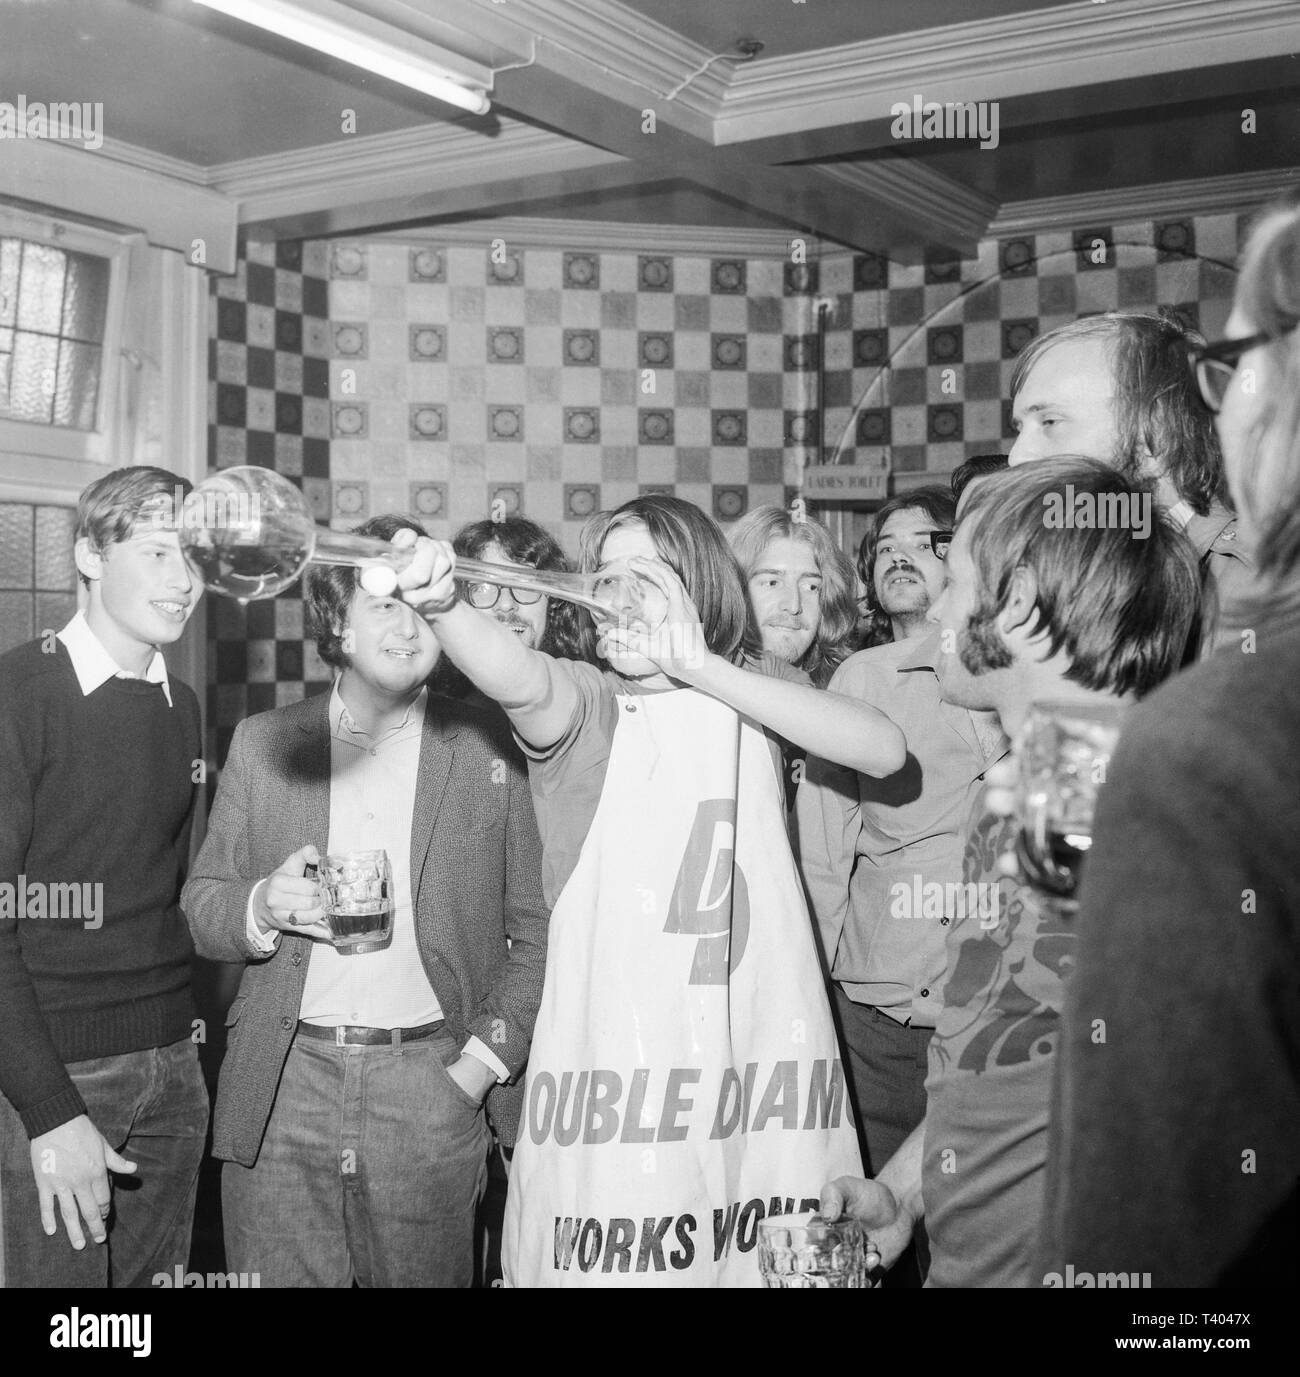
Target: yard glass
[{"x": 250, "y": 534}]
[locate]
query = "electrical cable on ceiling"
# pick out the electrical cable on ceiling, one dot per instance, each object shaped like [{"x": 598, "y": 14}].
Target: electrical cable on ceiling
[
  {"x": 515, "y": 66},
  {"x": 746, "y": 50}
]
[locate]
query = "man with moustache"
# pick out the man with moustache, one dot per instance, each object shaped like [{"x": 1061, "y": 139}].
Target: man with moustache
[
  {"x": 350, "y": 1110},
  {"x": 542, "y": 623},
  {"x": 899, "y": 562},
  {"x": 869, "y": 846},
  {"x": 546, "y": 624},
  {"x": 1015, "y": 630},
  {"x": 1119, "y": 387}
]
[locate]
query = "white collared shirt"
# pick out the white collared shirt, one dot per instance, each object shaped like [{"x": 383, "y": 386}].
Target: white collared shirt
[
  {"x": 372, "y": 807},
  {"x": 94, "y": 666}
]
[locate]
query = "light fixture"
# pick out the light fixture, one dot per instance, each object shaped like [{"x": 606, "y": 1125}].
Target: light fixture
[{"x": 342, "y": 32}]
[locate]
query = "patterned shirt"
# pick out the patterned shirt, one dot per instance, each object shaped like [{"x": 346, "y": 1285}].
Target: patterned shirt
[{"x": 988, "y": 1091}]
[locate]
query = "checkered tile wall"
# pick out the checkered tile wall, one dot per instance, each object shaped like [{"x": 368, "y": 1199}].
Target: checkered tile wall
[
  {"x": 443, "y": 380},
  {"x": 268, "y": 404},
  {"x": 950, "y": 329},
  {"x": 552, "y": 383}
]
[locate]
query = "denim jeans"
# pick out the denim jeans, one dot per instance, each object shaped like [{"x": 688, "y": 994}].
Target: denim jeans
[
  {"x": 371, "y": 1169},
  {"x": 152, "y": 1107}
]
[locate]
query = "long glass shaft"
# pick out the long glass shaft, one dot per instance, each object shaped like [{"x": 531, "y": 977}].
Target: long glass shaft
[{"x": 341, "y": 547}]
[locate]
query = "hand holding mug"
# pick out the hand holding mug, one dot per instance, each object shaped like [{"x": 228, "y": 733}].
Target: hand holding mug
[{"x": 289, "y": 899}]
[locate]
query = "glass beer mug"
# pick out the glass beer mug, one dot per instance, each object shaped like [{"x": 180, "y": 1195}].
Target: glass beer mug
[
  {"x": 1063, "y": 751},
  {"x": 250, "y": 534}
]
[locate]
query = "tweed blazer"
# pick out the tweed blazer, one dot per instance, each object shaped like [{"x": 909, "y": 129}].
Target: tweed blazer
[{"x": 476, "y": 871}]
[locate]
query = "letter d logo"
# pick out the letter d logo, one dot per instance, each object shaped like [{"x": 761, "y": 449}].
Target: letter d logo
[{"x": 710, "y": 898}]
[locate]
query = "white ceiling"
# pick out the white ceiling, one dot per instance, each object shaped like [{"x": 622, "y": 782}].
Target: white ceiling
[
  {"x": 1092, "y": 95},
  {"x": 797, "y": 26}
]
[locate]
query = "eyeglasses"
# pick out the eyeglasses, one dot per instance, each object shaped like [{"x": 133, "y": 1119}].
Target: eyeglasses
[
  {"x": 485, "y": 595},
  {"x": 936, "y": 542},
  {"x": 1215, "y": 365}
]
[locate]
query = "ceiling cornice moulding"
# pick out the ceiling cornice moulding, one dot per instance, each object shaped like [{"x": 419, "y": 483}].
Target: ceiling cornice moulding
[
  {"x": 999, "y": 58},
  {"x": 607, "y": 236},
  {"x": 146, "y": 160},
  {"x": 1235, "y": 191},
  {"x": 442, "y": 150},
  {"x": 914, "y": 190}
]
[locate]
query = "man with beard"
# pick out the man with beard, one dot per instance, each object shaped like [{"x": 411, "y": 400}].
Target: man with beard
[
  {"x": 542, "y": 623},
  {"x": 801, "y": 587},
  {"x": 900, "y": 562},
  {"x": 1015, "y": 630},
  {"x": 869, "y": 847}
]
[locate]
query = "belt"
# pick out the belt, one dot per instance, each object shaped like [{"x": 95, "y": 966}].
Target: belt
[{"x": 346, "y": 1035}]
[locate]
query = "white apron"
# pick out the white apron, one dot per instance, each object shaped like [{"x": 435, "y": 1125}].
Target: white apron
[{"x": 684, "y": 1079}]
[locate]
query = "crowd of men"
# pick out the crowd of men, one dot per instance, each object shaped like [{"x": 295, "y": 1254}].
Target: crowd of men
[{"x": 966, "y": 608}]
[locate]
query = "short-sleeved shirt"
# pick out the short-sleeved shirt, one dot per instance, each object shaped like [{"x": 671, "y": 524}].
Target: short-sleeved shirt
[
  {"x": 880, "y": 857},
  {"x": 567, "y": 777},
  {"x": 989, "y": 1088}
]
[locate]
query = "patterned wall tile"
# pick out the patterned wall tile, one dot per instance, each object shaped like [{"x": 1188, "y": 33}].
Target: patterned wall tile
[{"x": 555, "y": 382}]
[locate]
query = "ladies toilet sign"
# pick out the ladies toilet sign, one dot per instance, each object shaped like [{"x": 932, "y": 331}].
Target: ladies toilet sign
[{"x": 845, "y": 482}]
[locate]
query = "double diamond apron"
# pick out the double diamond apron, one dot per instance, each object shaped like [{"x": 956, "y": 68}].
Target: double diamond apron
[{"x": 684, "y": 1079}]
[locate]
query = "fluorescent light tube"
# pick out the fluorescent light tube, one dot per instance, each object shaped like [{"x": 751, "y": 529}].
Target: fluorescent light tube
[{"x": 339, "y": 32}]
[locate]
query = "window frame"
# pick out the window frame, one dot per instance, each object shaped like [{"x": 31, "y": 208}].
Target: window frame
[{"x": 75, "y": 457}]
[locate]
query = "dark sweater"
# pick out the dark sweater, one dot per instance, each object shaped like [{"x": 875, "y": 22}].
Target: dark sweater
[
  {"x": 94, "y": 790},
  {"x": 1175, "y": 1137}
]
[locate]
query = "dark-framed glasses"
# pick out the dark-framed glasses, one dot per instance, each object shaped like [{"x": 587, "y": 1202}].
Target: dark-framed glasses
[
  {"x": 1215, "y": 365},
  {"x": 485, "y": 595},
  {"x": 939, "y": 543}
]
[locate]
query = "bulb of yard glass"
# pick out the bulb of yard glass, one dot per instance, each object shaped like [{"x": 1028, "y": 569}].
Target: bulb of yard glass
[{"x": 250, "y": 534}]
